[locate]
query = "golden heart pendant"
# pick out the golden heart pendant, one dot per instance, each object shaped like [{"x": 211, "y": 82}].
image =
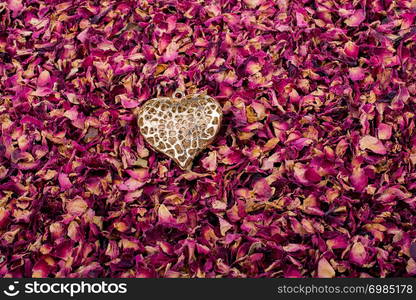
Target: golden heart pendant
[{"x": 181, "y": 126}]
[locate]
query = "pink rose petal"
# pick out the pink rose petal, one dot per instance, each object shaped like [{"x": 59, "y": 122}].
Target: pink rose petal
[
  {"x": 64, "y": 181},
  {"x": 351, "y": 49},
  {"x": 44, "y": 78},
  {"x": 358, "y": 254},
  {"x": 369, "y": 142},
  {"x": 384, "y": 131},
  {"x": 325, "y": 270},
  {"x": 356, "y": 73},
  {"x": 356, "y": 18}
]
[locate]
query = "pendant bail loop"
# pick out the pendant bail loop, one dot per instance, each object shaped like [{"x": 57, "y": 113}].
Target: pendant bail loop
[{"x": 178, "y": 94}]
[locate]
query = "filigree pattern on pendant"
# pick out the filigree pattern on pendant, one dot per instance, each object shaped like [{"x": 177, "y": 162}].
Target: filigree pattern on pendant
[{"x": 181, "y": 126}]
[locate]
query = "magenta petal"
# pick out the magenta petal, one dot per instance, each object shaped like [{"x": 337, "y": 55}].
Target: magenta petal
[
  {"x": 44, "y": 78},
  {"x": 64, "y": 181},
  {"x": 359, "y": 179},
  {"x": 384, "y": 131},
  {"x": 373, "y": 144},
  {"x": 351, "y": 49},
  {"x": 358, "y": 254},
  {"x": 15, "y": 6},
  {"x": 262, "y": 189},
  {"x": 356, "y": 18},
  {"x": 164, "y": 215},
  {"x": 356, "y": 73},
  {"x": 312, "y": 173},
  {"x": 253, "y": 67},
  {"x": 253, "y": 3},
  {"x": 325, "y": 269}
]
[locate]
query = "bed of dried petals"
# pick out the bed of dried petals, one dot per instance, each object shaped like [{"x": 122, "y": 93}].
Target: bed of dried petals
[{"x": 312, "y": 175}]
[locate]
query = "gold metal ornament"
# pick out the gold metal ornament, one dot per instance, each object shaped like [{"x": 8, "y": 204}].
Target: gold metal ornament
[{"x": 180, "y": 126}]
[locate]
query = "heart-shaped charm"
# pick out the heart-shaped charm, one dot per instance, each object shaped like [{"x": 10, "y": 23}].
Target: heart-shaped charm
[{"x": 180, "y": 126}]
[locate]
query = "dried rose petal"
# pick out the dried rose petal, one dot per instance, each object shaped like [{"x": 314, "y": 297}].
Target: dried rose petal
[
  {"x": 356, "y": 73},
  {"x": 325, "y": 270},
  {"x": 311, "y": 175},
  {"x": 356, "y": 18},
  {"x": 351, "y": 49},
  {"x": 384, "y": 131},
  {"x": 373, "y": 144},
  {"x": 358, "y": 254}
]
